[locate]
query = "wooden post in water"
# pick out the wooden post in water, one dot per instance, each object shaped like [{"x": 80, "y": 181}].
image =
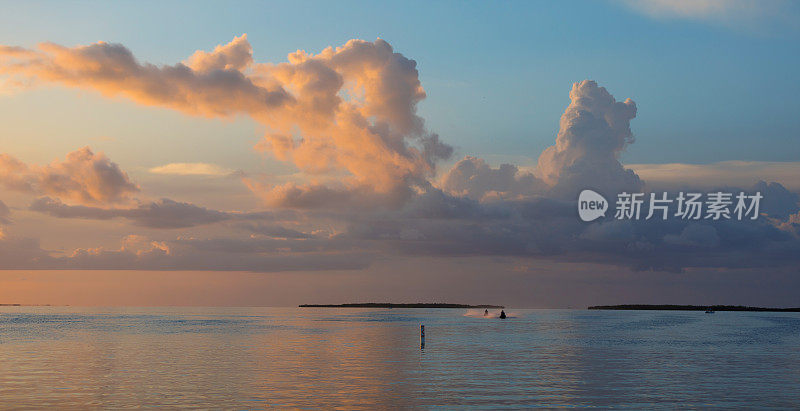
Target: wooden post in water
[{"x": 422, "y": 336}]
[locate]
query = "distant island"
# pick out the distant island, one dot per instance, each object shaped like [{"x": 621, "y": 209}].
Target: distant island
[
  {"x": 23, "y": 305},
  {"x": 393, "y": 305},
  {"x": 692, "y": 308}
]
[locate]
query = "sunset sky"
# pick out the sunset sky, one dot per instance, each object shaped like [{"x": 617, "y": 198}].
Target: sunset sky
[{"x": 273, "y": 154}]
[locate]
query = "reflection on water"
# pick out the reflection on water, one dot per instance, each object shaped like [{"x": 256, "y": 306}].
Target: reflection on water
[{"x": 363, "y": 358}]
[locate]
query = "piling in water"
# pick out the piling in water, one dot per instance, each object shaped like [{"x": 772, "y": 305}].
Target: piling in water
[{"x": 422, "y": 336}]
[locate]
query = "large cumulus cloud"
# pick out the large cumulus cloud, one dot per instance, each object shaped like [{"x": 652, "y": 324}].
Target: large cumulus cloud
[
  {"x": 348, "y": 112},
  {"x": 594, "y": 130}
]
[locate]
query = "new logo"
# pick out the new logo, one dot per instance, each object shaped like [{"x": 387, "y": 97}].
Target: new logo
[{"x": 591, "y": 205}]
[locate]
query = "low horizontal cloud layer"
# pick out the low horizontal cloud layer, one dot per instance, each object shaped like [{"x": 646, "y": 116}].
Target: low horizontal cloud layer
[
  {"x": 140, "y": 253},
  {"x": 550, "y": 229},
  {"x": 164, "y": 213},
  {"x": 725, "y": 173},
  {"x": 436, "y": 224},
  {"x": 4, "y": 213}
]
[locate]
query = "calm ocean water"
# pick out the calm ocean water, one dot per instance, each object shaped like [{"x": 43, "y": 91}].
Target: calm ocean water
[{"x": 251, "y": 358}]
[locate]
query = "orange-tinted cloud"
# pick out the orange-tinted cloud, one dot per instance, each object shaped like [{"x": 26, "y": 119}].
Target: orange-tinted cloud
[
  {"x": 84, "y": 177},
  {"x": 191, "y": 169},
  {"x": 348, "y": 112},
  {"x": 112, "y": 70}
]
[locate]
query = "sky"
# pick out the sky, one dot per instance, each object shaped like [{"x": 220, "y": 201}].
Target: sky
[{"x": 265, "y": 153}]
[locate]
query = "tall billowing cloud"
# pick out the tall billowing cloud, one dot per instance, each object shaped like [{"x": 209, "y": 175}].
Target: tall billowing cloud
[
  {"x": 84, "y": 177},
  {"x": 594, "y": 130},
  {"x": 347, "y": 113}
]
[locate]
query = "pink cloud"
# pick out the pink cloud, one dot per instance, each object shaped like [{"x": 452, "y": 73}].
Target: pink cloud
[
  {"x": 347, "y": 112},
  {"x": 84, "y": 177}
]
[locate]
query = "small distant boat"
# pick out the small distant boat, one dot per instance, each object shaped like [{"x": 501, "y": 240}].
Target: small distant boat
[{"x": 709, "y": 311}]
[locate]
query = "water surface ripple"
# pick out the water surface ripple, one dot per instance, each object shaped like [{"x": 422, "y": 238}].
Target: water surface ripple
[{"x": 252, "y": 358}]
